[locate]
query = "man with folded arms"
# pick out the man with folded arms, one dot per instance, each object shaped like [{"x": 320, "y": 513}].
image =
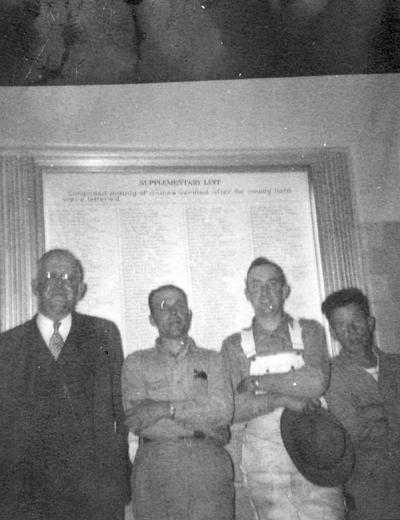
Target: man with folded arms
[
  {"x": 277, "y": 363},
  {"x": 178, "y": 400},
  {"x": 364, "y": 393}
]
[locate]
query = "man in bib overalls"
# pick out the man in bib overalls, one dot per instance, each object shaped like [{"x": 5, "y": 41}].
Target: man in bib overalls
[{"x": 278, "y": 362}]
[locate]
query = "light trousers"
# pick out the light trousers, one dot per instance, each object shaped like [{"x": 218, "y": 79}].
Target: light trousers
[
  {"x": 278, "y": 490},
  {"x": 189, "y": 479}
]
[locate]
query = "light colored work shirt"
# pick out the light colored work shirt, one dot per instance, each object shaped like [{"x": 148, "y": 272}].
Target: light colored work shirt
[{"x": 195, "y": 381}]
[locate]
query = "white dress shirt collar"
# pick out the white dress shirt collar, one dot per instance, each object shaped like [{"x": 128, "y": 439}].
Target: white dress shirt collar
[{"x": 46, "y": 327}]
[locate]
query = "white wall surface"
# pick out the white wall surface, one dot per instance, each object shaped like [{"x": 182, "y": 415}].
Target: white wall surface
[{"x": 358, "y": 112}]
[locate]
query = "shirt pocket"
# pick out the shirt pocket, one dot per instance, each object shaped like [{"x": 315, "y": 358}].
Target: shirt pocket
[{"x": 200, "y": 383}]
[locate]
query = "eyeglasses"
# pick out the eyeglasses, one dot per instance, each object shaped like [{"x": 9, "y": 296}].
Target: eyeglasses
[{"x": 65, "y": 277}]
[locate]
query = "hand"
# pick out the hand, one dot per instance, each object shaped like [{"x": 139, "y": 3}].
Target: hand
[
  {"x": 371, "y": 412},
  {"x": 373, "y": 421},
  {"x": 248, "y": 384},
  {"x": 313, "y": 404},
  {"x": 297, "y": 404},
  {"x": 375, "y": 435},
  {"x": 147, "y": 412}
]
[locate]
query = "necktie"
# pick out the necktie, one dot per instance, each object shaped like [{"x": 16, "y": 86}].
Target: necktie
[{"x": 56, "y": 342}]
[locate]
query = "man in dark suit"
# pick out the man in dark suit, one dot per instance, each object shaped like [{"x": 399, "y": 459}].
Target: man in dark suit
[{"x": 63, "y": 444}]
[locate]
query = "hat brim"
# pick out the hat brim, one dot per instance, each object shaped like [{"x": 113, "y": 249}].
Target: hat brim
[{"x": 334, "y": 475}]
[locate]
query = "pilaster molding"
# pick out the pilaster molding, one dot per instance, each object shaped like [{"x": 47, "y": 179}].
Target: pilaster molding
[{"x": 21, "y": 236}]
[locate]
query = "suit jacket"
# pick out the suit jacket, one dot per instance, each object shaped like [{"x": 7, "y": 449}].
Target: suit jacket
[{"x": 63, "y": 443}]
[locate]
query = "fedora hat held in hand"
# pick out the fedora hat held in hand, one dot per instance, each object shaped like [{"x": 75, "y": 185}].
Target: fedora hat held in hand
[{"x": 319, "y": 446}]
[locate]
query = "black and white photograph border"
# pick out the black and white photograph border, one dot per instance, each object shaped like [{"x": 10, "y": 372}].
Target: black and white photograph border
[{"x": 76, "y": 42}]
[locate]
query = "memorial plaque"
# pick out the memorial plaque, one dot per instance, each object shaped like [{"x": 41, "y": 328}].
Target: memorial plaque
[{"x": 198, "y": 230}]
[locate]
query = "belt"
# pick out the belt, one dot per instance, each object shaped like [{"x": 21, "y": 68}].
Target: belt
[{"x": 197, "y": 434}]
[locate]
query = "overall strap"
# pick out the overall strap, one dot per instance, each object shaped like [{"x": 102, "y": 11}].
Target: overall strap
[
  {"x": 295, "y": 335},
  {"x": 249, "y": 347},
  {"x": 247, "y": 342}
]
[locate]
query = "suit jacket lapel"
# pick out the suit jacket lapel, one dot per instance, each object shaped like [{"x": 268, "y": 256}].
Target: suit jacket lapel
[
  {"x": 33, "y": 338},
  {"x": 81, "y": 346}
]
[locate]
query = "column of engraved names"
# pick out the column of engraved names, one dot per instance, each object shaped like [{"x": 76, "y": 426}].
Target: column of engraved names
[
  {"x": 91, "y": 233},
  {"x": 218, "y": 250},
  {"x": 282, "y": 231},
  {"x": 153, "y": 253}
]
